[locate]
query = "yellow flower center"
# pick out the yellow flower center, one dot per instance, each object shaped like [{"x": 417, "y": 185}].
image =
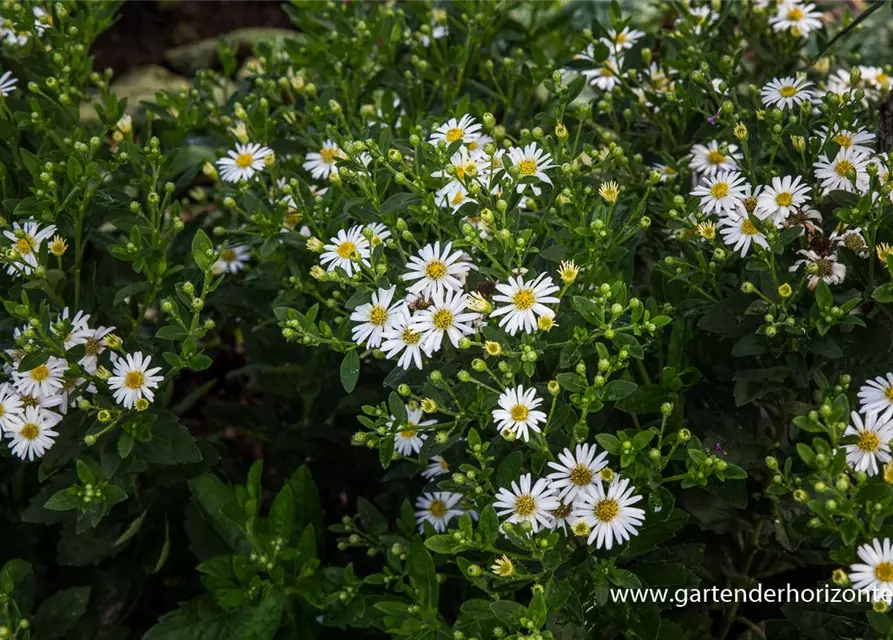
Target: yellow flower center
[
  {"x": 843, "y": 168},
  {"x": 606, "y": 510},
  {"x": 378, "y": 315},
  {"x": 524, "y": 299},
  {"x": 620, "y": 38},
  {"x": 442, "y": 319},
  {"x": 748, "y": 228},
  {"x": 454, "y": 134},
  {"x": 244, "y": 160},
  {"x": 882, "y": 79},
  {"x": 843, "y": 140},
  {"x": 228, "y": 255},
  {"x": 606, "y": 72},
  {"x": 134, "y": 379},
  {"x": 525, "y": 506},
  {"x": 504, "y": 567},
  {"x": 889, "y": 393},
  {"x": 435, "y": 270},
  {"x": 408, "y": 433},
  {"x": 784, "y": 199},
  {"x": 527, "y": 167},
  {"x": 581, "y": 475},
  {"x": 458, "y": 198},
  {"x": 30, "y": 431},
  {"x": 720, "y": 190},
  {"x": 788, "y": 91},
  {"x": 291, "y": 220},
  {"x": 869, "y": 441},
  {"x": 327, "y": 154},
  {"x": 519, "y": 413},
  {"x": 444, "y": 465},
  {"x": 460, "y": 171},
  {"x": 41, "y": 373},
  {"x": 438, "y": 508},
  {"x": 410, "y": 337},
  {"x": 30, "y": 401},
  {"x": 25, "y": 245},
  {"x": 2, "y": 410},
  {"x": 884, "y": 572},
  {"x": 750, "y": 204},
  {"x": 91, "y": 347},
  {"x": 795, "y": 14},
  {"x": 346, "y": 249},
  {"x": 715, "y": 157}
]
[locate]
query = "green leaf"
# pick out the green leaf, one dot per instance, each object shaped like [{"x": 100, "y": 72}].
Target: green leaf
[
  {"x": 386, "y": 450},
  {"x": 201, "y": 244},
  {"x": 609, "y": 443},
  {"x": 823, "y": 295},
  {"x": 422, "y": 575},
  {"x": 590, "y": 311},
  {"x": 646, "y": 399},
  {"x": 201, "y": 619},
  {"x": 371, "y": 518},
  {"x": 171, "y": 332},
  {"x": 17, "y": 581},
  {"x": 572, "y": 382},
  {"x": 443, "y": 544},
  {"x": 618, "y": 389},
  {"x": 397, "y": 408},
  {"x": 171, "y": 444},
  {"x": 281, "y": 518},
  {"x": 509, "y": 469},
  {"x": 213, "y": 497},
  {"x": 74, "y": 170},
  {"x": 488, "y": 525},
  {"x": 58, "y": 614},
  {"x": 350, "y": 370},
  {"x": 308, "y": 509},
  {"x": 63, "y": 500}
]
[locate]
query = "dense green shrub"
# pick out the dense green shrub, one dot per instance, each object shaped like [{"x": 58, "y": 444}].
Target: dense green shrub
[{"x": 603, "y": 296}]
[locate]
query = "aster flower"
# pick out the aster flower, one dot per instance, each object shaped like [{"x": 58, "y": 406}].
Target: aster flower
[
  {"x": 10, "y": 406},
  {"x": 31, "y": 434},
  {"x": 133, "y": 380},
  {"x": 786, "y": 93},
  {"x": 7, "y": 84},
  {"x": 796, "y": 17},
  {"x": 781, "y": 198},
  {"x": 322, "y": 164},
  {"x": 846, "y": 172},
  {"x": 576, "y": 471},
  {"x": 851, "y": 239},
  {"x": 94, "y": 344},
  {"x": 874, "y": 575},
  {"x": 876, "y": 397},
  {"x": 231, "y": 259},
  {"x": 722, "y": 192},
  {"x": 243, "y": 162},
  {"x": 466, "y": 129},
  {"x": 527, "y": 502},
  {"x": 526, "y": 302},
  {"x": 438, "y": 509},
  {"x": 609, "y": 513},
  {"x": 827, "y": 268},
  {"x": 27, "y": 238},
  {"x": 518, "y": 413},
  {"x": 447, "y": 316},
  {"x": 409, "y": 439},
  {"x": 437, "y": 271},
  {"x": 620, "y": 40},
  {"x": 43, "y": 380},
  {"x": 452, "y": 195},
  {"x": 607, "y": 76},
  {"x": 375, "y": 318},
  {"x": 400, "y": 337},
  {"x": 709, "y": 159},
  {"x": 873, "y": 446},
  {"x": 739, "y": 232},
  {"x": 531, "y": 162},
  {"x": 437, "y": 466},
  {"x": 347, "y": 249},
  {"x": 860, "y": 141}
]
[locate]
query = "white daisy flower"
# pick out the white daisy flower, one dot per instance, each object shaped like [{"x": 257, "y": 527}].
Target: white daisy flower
[
  {"x": 846, "y": 172},
  {"x": 380, "y": 233},
  {"x": 465, "y": 129},
  {"x": 447, "y": 315},
  {"x": 400, "y": 337},
  {"x": 10, "y": 406},
  {"x": 781, "y": 198},
  {"x": 463, "y": 164},
  {"x": 828, "y": 268},
  {"x": 860, "y": 141},
  {"x": 876, "y": 397},
  {"x": 43, "y": 380},
  {"x": 408, "y": 440},
  {"x": 437, "y": 466},
  {"x": 243, "y": 162},
  {"x": 375, "y": 318},
  {"x": 563, "y": 515},
  {"x": 231, "y": 259},
  {"x": 27, "y": 239},
  {"x": 321, "y": 165},
  {"x": 134, "y": 380},
  {"x": 851, "y": 239},
  {"x": 438, "y": 508},
  {"x": 31, "y": 434},
  {"x": 517, "y": 412},
  {"x": 575, "y": 471},
  {"x": 786, "y": 93},
  {"x": 708, "y": 159},
  {"x": 609, "y": 514},
  {"x": 666, "y": 171},
  {"x": 346, "y": 250},
  {"x": 722, "y": 192},
  {"x": 703, "y": 16},
  {"x": 807, "y": 217},
  {"x": 797, "y": 18},
  {"x": 532, "y": 162},
  {"x": 620, "y": 40},
  {"x": 437, "y": 271},
  {"x": 7, "y": 84},
  {"x": 607, "y": 76},
  {"x": 872, "y": 450},
  {"x": 526, "y": 302},
  {"x": 41, "y": 402},
  {"x": 452, "y": 195},
  {"x": 524, "y": 502},
  {"x": 79, "y": 331},
  {"x": 94, "y": 345},
  {"x": 877, "y": 79},
  {"x": 874, "y": 575},
  {"x": 739, "y": 233}
]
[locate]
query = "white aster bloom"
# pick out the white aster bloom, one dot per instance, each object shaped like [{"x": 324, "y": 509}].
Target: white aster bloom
[
  {"x": 94, "y": 345},
  {"x": 851, "y": 239},
  {"x": 231, "y": 259},
  {"x": 437, "y": 466},
  {"x": 709, "y": 159},
  {"x": 453, "y": 195},
  {"x": 27, "y": 238},
  {"x": 11, "y": 406},
  {"x": 531, "y": 162},
  {"x": 463, "y": 165},
  {"x": 576, "y": 471},
  {"x": 243, "y": 162},
  {"x": 872, "y": 449},
  {"x": 465, "y": 129},
  {"x": 79, "y": 330},
  {"x": 860, "y": 141},
  {"x": 786, "y": 93},
  {"x": 876, "y": 397},
  {"x": 846, "y": 172},
  {"x": 31, "y": 434},
  {"x": 322, "y": 164},
  {"x": 347, "y": 249},
  {"x": 518, "y": 413},
  {"x": 784, "y": 196},
  {"x": 526, "y": 302},
  {"x": 409, "y": 439},
  {"x": 401, "y": 338},
  {"x": 7, "y": 84},
  {"x": 134, "y": 380},
  {"x": 739, "y": 232},
  {"x": 620, "y": 40},
  {"x": 607, "y": 76},
  {"x": 722, "y": 192},
  {"x": 447, "y": 315},
  {"x": 874, "y": 575},
  {"x": 563, "y": 515},
  {"x": 44, "y": 380},
  {"x": 796, "y": 17},
  {"x": 375, "y": 318},
  {"x": 437, "y": 271},
  {"x": 609, "y": 514},
  {"x": 438, "y": 508},
  {"x": 827, "y": 267},
  {"x": 877, "y": 79},
  {"x": 526, "y": 503},
  {"x": 702, "y": 18}
]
